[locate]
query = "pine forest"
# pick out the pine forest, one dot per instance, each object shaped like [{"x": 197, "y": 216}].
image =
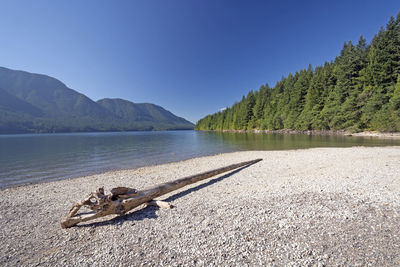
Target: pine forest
[{"x": 359, "y": 90}]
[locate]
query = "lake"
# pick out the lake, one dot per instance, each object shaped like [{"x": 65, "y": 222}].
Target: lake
[{"x": 34, "y": 158}]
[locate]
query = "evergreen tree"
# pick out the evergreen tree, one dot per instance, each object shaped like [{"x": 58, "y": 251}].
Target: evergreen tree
[
  {"x": 311, "y": 100},
  {"x": 297, "y": 100},
  {"x": 381, "y": 72},
  {"x": 359, "y": 90}
]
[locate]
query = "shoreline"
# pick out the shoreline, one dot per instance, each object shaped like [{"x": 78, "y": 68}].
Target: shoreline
[
  {"x": 384, "y": 135},
  {"x": 101, "y": 172},
  {"x": 370, "y": 134},
  {"x": 329, "y": 206},
  {"x": 104, "y": 172}
]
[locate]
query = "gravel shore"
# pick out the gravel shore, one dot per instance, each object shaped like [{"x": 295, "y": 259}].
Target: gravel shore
[{"x": 314, "y": 207}]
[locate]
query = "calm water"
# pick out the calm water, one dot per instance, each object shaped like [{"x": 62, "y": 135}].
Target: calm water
[{"x": 44, "y": 157}]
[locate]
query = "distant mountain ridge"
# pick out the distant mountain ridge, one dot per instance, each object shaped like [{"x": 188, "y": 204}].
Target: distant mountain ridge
[
  {"x": 140, "y": 112},
  {"x": 36, "y": 103}
]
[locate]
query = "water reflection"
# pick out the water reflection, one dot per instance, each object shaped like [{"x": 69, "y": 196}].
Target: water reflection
[
  {"x": 32, "y": 158},
  {"x": 253, "y": 141}
]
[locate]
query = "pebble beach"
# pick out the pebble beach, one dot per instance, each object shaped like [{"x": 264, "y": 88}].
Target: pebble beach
[{"x": 311, "y": 207}]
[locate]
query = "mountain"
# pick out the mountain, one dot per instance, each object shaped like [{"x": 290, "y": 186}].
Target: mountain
[
  {"x": 15, "y": 105},
  {"x": 144, "y": 114},
  {"x": 31, "y": 103},
  {"x": 16, "y": 114},
  {"x": 359, "y": 90},
  {"x": 49, "y": 94}
]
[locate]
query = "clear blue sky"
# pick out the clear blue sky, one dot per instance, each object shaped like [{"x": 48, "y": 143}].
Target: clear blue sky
[{"x": 191, "y": 57}]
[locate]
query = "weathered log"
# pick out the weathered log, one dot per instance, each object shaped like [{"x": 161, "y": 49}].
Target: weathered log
[{"x": 123, "y": 199}]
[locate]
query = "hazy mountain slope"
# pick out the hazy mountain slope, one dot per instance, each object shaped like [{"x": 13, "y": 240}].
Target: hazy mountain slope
[
  {"x": 16, "y": 115},
  {"x": 143, "y": 113},
  {"x": 49, "y": 94},
  {"x": 38, "y": 103},
  {"x": 14, "y": 104}
]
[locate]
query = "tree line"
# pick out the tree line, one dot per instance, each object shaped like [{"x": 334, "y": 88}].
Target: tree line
[{"x": 359, "y": 90}]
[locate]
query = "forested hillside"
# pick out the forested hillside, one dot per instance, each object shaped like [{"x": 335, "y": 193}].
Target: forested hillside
[
  {"x": 359, "y": 90},
  {"x": 145, "y": 115},
  {"x": 35, "y": 103}
]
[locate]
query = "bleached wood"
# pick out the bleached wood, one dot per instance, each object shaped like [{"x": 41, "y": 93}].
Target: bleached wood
[
  {"x": 123, "y": 199},
  {"x": 159, "y": 203}
]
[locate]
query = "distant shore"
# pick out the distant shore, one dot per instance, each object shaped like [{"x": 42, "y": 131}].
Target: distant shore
[
  {"x": 320, "y": 206},
  {"x": 395, "y": 135},
  {"x": 378, "y": 134}
]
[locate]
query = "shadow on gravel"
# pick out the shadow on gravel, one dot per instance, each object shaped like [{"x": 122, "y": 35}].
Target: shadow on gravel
[
  {"x": 149, "y": 212},
  {"x": 197, "y": 188}
]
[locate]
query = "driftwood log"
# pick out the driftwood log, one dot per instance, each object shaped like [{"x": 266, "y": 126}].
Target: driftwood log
[{"x": 123, "y": 199}]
